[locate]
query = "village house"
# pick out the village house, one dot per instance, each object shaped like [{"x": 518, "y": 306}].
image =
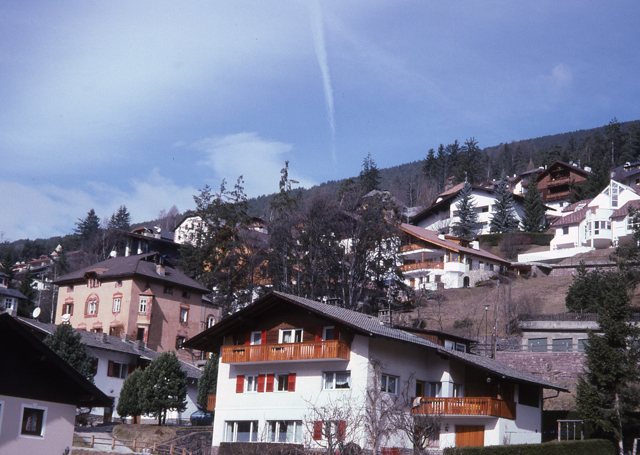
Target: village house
[
  {"x": 39, "y": 394},
  {"x": 432, "y": 261},
  {"x": 286, "y": 361},
  {"x": 9, "y": 298},
  {"x": 139, "y": 296},
  {"x": 114, "y": 359},
  {"x": 443, "y": 213}
]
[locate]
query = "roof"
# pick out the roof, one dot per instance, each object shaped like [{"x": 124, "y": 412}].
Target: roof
[
  {"x": 624, "y": 210},
  {"x": 362, "y": 323},
  {"x": 572, "y": 218},
  {"x": 140, "y": 265},
  {"x": 12, "y": 293},
  {"x": 572, "y": 207},
  {"x": 563, "y": 164},
  {"x": 30, "y": 369},
  {"x": 108, "y": 343},
  {"x": 432, "y": 236}
]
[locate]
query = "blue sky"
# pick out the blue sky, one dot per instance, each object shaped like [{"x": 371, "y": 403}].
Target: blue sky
[{"x": 143, "y": 103}]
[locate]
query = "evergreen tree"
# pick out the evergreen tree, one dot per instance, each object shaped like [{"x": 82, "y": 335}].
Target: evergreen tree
[
  {"x": 471, "y": 163},
  {"x": 120, "y": 219},
  {"x": 7, "y": 262},
  {"x": 130, "y": 403},
  {"x": 429, "y": 165},
  {"x": 585, "y": 291},
  {"x": 607, "y": 392},
  {"x": 25, "y": 307},
  {"x": 69, "y": 346},
  {"x": 467, "y": 224},
  {"x": 208, "y": 382},
  {"x": 89, "y": 226},
  {"x": 534, "y": 210},
  {"x": 369, "y": 178},
  {"x": 165, "y": 387},
  {"x": 503, "y": 219}
]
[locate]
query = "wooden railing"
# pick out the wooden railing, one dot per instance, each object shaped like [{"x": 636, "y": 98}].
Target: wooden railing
[
  {"x": 421, "y": 266},
  {"x": 468, "y": 406},
  {"x": 286, "y": 351},
  {"x": 211, "y": 402}
]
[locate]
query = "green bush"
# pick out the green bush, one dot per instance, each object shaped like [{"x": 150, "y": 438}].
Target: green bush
[{"x": 588, "y": 447}]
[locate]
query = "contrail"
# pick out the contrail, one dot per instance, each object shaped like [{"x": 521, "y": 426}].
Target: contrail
[{"x": 321, "y": 54}]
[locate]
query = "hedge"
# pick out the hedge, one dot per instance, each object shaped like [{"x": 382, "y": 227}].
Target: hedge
[{"x": 588, "y": 447}]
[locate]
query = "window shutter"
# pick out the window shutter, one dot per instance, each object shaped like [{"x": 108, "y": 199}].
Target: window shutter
[
  {"x": 261, "y": 382},
  {"x": 247, "y": 339},
  {"x": 110, "y": 370},
  {"x": 317, "y": 430},
  {"x": 263, "y": 337},
  {"x": 292, "y": 382},
  {"x": 270, "y": 379},
  {"x": 318, "y": 333},
  {"x": 131, "y": 368},
  {"x": 240, "y": 383},
  {"x": 342, "y": 430}
]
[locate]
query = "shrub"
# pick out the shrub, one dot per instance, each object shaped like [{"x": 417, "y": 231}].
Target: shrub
[{"x": 588, "y": 447}]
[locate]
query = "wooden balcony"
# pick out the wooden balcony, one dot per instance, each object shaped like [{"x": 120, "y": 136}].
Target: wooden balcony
[
  {"x": 316, "y": 350},
  {"x": 211, "y": 402},
  {"x": 421, "y": 266},
  {"x": 468, "y": 406}
]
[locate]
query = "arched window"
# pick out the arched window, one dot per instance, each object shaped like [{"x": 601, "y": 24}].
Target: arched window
[
  {"x": 210, "y": 321},
  {"x": 91, "y": 307}
]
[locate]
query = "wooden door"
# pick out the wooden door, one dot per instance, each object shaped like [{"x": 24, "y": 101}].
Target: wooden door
[{"x": 469, "y": 435}]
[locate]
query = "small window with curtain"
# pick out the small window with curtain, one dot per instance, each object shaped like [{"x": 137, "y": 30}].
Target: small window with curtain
[
  {"x": 32, "y": 421},
  {"x": 337, "y": 380}
]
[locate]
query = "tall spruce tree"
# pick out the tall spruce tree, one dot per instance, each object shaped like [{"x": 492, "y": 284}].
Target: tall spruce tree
[
  {"x": 503, "y": 219},
  {"x": 88, "y": 227},
  {"x": 534, "y": 211},
  {"x": 369, "y": 178},
  {"x": 69, "y": 346},
  {"x": 467, "y": 224},
  {"x": 208, "y": 382},
  {"x": 120, "y": 219},
  {"x": 165, "y": 387},
  {"x": 130, "y": 403}
]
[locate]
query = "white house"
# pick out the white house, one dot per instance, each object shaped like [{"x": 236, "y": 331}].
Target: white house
[
  {"x": 115, "y": 358},
  {"x": 443, "y": 213},
  {"x": 291, "y": 369},
  {"x": 39, "y": 393}
]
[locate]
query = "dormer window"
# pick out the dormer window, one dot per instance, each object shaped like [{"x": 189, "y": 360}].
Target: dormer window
[{"x": 93, "y": 283}]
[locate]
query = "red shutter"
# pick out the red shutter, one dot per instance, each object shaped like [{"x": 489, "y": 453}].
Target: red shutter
[
  {"x": 131, "y": 368},
  {"x": 110, "y": 369},
  {"x": 317, "y": 430},
  {"x": 247, "y": 339},
  {"x": 336, "y": 333},
  {"x": 240, "y": 383},
  {"x": 318, "y": 333},
  {"x": 292, "y": 382},
  {"x": 342, "y": 430},
  {"x": 261, "y": 383},
  {"x": 270, "y": 379},
  {"x": 263, "y": 337}
]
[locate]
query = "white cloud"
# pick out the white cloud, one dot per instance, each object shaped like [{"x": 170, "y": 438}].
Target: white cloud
[{"x": 258, "y": 160}]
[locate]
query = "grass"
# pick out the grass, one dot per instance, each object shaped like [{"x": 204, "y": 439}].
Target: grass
[{"x": 145, "y": 433}]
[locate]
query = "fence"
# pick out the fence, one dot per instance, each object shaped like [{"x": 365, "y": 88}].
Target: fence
[{"x": 136, "y": 446}]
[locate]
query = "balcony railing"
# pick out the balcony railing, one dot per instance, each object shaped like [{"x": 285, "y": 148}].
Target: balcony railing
[
  {"x": 315, "y": 350},
  {"x": 421, "y": 266},
  {"x": 559, "y": 181},
  {"x": 468, "y": 406},
  {"x": 556, "y": 196}
]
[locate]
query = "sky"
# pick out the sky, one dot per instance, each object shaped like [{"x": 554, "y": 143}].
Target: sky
[{"x": 144, "y": 103}]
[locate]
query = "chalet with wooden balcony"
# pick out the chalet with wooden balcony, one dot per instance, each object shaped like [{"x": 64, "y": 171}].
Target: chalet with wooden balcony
[
  {"x": 433, "y": 261},
  {"x": 292, "y": 369}
]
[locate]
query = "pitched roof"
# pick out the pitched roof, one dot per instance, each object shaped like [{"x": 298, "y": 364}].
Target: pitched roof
[
  {"x": 30, "y": 369},
  {"x": 573, "y": 218},
  {"x": 432, "y": 237},
  {"x": 624, "y": 210},
  {"x": 12, "y": 293},
  {"x": 140, "y": 265},
  {"x": 362, "y": 323},
  {"x": 572, "y": 207},
  {"x": 109, "y": 343}
]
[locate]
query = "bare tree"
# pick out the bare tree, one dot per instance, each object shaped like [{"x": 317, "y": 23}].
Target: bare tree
[{"x": 380, "y": 408}]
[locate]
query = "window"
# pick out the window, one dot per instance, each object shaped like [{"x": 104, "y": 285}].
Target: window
[
  {"x": 435, "y": 389},
  {"x": 291, "y": 336},
  {"x": 337, "y": 380},
  {"x": 67, "y": 308},
  {"x": 336, "y": 429},
  {"x": 70, "y": 288},
  {"x": 565, "y": 230},
  {"x": 117, "y": 370},
  {"x": 184, "y": 315},
  {"x": 461, "y": 347},
  {"x": 93, "y": 283},
  {"x": 210, "y": 321},
  {"x": 98, "y": 330},
  {"x": 92, "y": 305},
  {"x": 256, "y": 338},
  {"x": 186, "y": 294},
  {"x": 116, "y": 305},
  {"x": 143, "y": 304},
  {"x": 420, "y": 388},
  {"x": 562, "y": 345},
  {"x": 537, "y": 344},
  {"x": 438, "y": 278},
  {"x": 582, "y": 343},
  {"x": 140, "y": 334},
  {"x": 282, "y": 382},
  {"x": 168, "y": 290},
  {"x": 180, "y": 341},
  {"x": 32, "y": 421},
  {"x": 389, "y": 384},
  {"x": 241, "y": 431},
  {"x": 457, "y": 391},
  {"x": 328, "y": 334},
  {"x": 119, "y": 283},
  {"x": 289, "y": 431},
  {"x": 115, "y": 331},
  {"x": 251, "y": 383}
]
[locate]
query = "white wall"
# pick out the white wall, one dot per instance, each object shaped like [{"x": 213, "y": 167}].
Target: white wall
[{"x": 57, "y": 427}]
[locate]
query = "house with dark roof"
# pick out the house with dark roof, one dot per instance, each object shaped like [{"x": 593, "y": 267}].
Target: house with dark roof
[
  {"x": 142, "y": 297},
  {"x": 294, "y": 370},
  {"x": 39, "y": 394},
  {"x": 114, "y": 359},
  {"x": 433, "y": 261},
  {"x": 9, "y": 298},
  {"x": 442, "y": 214}
]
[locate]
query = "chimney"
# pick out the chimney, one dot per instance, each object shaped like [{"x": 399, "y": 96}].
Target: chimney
[
  {"x": 103, "y": 337},
  {"x": 125, "y": 337},
  {"x": 160, "y": 270},
  {"x": 475, "y": 245},
  {"x": 139, "y": 345},
  {"x": 441, "y": 236}
]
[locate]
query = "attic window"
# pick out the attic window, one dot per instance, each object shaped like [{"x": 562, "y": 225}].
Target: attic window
[{"x": 93, "y": 283}]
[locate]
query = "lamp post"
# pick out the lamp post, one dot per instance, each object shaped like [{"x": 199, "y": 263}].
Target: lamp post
[{"x": 486, "y": 328}]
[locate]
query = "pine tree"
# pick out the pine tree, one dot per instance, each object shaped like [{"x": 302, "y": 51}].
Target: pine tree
[
  {"x": 503, "y": 219},
  {"x": 130, "y": 403},
  {"x": 467, "y": 224},
  {"x": 534, "y": 211},
  {"x": 471, "y": 164},
  {"x": 26, "y": 306},
  {"x": 369, "y": 178},
  {"x": 89, "y": 226},
  {"x": 165, "y": 387},
  {"x": 208, "y": 382},
  {"x": 69, "y": 346},
  {"x": 120, "y": 219}
]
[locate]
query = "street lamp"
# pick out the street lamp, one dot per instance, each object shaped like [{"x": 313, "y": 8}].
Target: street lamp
[{"x": 486, "y": 328}]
